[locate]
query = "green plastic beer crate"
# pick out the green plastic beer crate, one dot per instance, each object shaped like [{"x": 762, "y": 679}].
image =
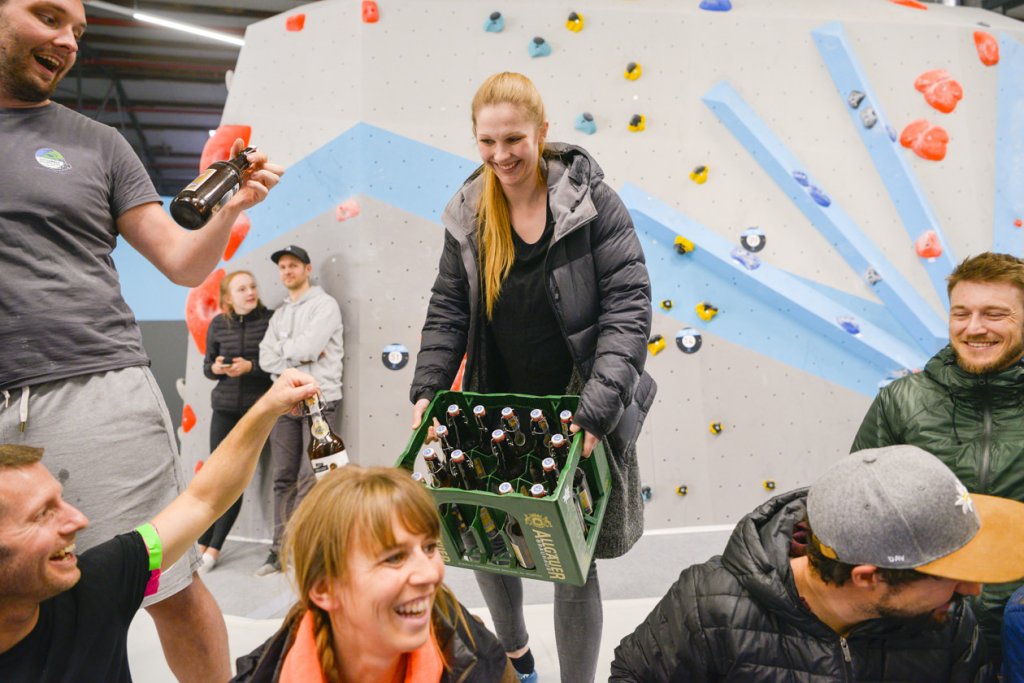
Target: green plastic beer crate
[{"x": 558, "y": 538}]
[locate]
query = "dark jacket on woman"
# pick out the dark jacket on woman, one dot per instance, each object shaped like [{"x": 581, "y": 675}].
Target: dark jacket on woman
[
  {"x": 738, "y": 617},
  {"x": 600, "y": 292},
  {"x": 473, "y": 655},
  {"x": 232, "y": 336},
  {"x": 975, "y": 425}
]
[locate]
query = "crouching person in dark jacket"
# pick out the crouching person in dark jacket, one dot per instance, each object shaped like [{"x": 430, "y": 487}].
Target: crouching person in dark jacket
[
  {"x": 893, "y": 543},
  {"x": 363, "y": 548}
]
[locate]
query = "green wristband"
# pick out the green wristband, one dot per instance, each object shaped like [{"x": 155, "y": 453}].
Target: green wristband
[{"x": 152, "y": 540}]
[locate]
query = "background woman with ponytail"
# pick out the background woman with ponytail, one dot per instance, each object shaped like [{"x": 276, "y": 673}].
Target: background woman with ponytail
[
  {"x": 362, "y": 547},
  {"x": 542, "y": 285}
]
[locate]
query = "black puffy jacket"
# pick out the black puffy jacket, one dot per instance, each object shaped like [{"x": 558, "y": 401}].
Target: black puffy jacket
[
  {"x": 738, "y": 617},
  {"x": 600, "y": 291},
  {"x": 235, "y": 336}
]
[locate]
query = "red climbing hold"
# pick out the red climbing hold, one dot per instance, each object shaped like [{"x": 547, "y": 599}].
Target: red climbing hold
[
  {"x": 199, "y": 466},
  {"x": 371, "y": 13},
  {"x": 238, "y": 232},
  {"x": 347, "y": 209},
  {"x": 910, "y": 3},
  {"x": 218, "y": 147},
  {"x": 988, "y": 48},
  {"x": 295, "y": 22},
  {"x": 926, "y": 139},
  {"x": 1018, "y": 223},
  {"x": 188, "y": 418},
  {"x": 201, "y": 305},
  {"x": 928, "y": 246},
  {"x": 940, "y": 89}
]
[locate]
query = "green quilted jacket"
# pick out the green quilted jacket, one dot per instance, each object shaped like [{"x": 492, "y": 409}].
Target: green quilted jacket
[{"x": 974, "y": 424}]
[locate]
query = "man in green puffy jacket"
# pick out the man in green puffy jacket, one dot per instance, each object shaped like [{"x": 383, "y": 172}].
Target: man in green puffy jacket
[{"x": 967, "y": 406}]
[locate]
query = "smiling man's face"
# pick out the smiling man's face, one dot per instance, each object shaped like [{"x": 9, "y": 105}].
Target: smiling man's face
[
  {"x": 986, "y": 325},
  {"x": 38, "y": 46}
]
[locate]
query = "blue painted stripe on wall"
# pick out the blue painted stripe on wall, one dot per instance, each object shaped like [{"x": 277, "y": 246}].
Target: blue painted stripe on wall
[
  {"x": 1009, "y": 194},
  {"x": 889, "y": 159},
  {"x": 151, "y": 295},
  {"x": 845, "y": 236}
]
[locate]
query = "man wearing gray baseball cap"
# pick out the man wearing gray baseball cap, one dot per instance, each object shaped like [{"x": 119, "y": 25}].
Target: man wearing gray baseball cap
[{"x": 858, "y": 578}]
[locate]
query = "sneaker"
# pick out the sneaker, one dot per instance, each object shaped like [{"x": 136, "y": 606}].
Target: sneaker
[
  {"x": 531, "y": 677},
  {"x": 208, "y": 563},
  {"x": 271, "y": 566}
]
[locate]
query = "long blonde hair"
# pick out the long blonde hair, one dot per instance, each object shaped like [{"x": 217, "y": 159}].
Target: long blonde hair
[
  {"x": 352, "y": 507},
  {"x": 494, "y": 225}
]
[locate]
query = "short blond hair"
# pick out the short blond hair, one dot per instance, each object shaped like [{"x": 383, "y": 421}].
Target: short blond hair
[
  {"x": 988, "y": 267},
  {"x": 16, "y": 455}
]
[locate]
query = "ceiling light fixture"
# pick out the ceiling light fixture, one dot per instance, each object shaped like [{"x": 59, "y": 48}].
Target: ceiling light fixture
[{"x": 167, "y": 23}]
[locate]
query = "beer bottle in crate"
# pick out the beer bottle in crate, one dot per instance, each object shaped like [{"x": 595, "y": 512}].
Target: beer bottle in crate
[
  {"x": 460, "y": 470},
  {"x": 436, "y": 468},
  {"x": 515, "y": 533},
  {"x": 505, "y": 453},
  {"x": 559, "y": 449},
  {"x": 326, "y": 449},
  {"x": 480, "y": 418},
  {"x": 458, "y": 424},
  {"x": 539, "y": 427},
  {"x": 445, "y": 437},
  {"x": 565, "y": 421},
  {"x": 510, "y": 423},
  {"x": 550, "y": 468},
  {"x": 467, "y": 473},
  {"x": 582, "y": 489},
  {"x": 469, "y": 547}
]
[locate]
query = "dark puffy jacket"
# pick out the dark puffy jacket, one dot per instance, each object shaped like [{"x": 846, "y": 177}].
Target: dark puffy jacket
[
  {"x": 234, "y": 336},
  {"x": 600, "y": 292},
  {"x": 974, "y": 424},
  {"x": 474, "y": 656},
  {"x": 738, "y": 617}
]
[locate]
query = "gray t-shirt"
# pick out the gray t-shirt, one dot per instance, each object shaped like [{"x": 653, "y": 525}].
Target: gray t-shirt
[{"x": 64, "y": 180}]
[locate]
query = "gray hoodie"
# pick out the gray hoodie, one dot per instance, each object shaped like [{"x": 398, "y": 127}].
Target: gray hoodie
[{"x": 307, "y": 335}]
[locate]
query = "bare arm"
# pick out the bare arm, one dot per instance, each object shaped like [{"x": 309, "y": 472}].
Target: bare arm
[
  {"x": 228, "y": 470},
  {"x": 186, "y": 257}
]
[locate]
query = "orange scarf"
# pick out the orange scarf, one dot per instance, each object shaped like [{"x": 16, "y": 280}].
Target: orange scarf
[{"x": 302, "y": 663}]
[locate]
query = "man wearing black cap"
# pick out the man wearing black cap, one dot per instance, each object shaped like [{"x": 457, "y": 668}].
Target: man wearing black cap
[
  {"x": 894, "y": 541},
  {"x": 304, "y": 333}
]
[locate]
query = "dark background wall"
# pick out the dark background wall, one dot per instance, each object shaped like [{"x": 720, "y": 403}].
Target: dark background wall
[{"x": 166, "y": 343}]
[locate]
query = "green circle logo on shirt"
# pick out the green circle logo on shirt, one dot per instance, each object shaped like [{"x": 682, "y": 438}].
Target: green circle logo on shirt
[{"x": 52, "y": 159}]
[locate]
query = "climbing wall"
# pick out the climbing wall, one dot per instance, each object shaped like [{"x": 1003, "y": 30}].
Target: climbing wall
[{"x": 802, "y": 177}]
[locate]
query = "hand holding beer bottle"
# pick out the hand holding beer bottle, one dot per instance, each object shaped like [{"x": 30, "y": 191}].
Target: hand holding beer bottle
[{"x": 326, "y": 449}]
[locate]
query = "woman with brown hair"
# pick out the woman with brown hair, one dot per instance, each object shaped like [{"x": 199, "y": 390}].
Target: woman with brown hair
[
  {"x": 542, "y": 285},
  {"x": 232, "y": 359},
  {"x": 362, "y": 547}
]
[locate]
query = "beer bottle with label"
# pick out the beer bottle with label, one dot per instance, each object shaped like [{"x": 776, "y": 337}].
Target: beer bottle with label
[
  {"x": 210, "y": 191},
  {"x": 470, "y": 550},
  {"x": 559, "y": 449},
  {"x": 515, "y": 533},
  {"x": 550, "y": 468},
  {"x": 510, "y": 423},
  {"x": 463, "y": 477},
  {"x": 539, "y": 427},
  {"x": 565, "y": 420},
  {"x": 480, "y": 417},
  {"x": 437, "y": 470},
  {"x": 582, "y": 489},
  {"x": 458, "y": 423},
  {"x": 445, "y": 437},
  {"x": 326, "y": 449}
]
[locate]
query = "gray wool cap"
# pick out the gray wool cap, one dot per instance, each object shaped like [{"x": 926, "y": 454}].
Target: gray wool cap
[{"x": 897, "y": 507}]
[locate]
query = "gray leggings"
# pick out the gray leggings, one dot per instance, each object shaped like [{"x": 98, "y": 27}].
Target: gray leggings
[{"x": 578, "y": 620}]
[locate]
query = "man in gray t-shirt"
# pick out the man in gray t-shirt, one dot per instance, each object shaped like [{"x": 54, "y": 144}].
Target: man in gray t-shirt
[{"x": 73, "y": 373}]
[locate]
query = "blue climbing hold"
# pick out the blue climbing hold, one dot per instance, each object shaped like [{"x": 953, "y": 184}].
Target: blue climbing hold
[
  {"x": 801, "y": 178},
  {"x": 585, "y": 123},
  {"x": 849, "y": 324},
  {"x": 495, "y": 23},
  {"x": 747, "y": 259},
  {"x": 539, "y": 47},
  {"x": 819, "y": 196},
  {"x": 891, "y": 131},
  {"x": 716, "y": 5}
]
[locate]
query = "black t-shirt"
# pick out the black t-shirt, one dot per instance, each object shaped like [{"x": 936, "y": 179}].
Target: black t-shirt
[
  {"x": 81, "y": 634},
  {"x": 533, "y": 355}
]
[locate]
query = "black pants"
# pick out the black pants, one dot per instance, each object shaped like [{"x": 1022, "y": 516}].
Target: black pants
[{"x": 220, "y": 424}]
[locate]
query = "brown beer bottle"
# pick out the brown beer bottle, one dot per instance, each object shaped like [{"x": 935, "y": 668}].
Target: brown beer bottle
[
  {"x": 515, "y": 533},
  {"x": 210, "y": 191},
  {"x": 326, "y": 449}
]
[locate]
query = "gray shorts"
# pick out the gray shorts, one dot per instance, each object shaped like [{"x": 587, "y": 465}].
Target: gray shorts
[{"x": 109, "y": 440}]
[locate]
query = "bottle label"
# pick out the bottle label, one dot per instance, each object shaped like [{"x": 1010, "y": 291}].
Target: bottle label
[
  {"x": 200, "y": 179},
  {"x": 321, "y": 466},
  {"x": 523, "y": 561},
  {"x": 319, "y": 428}
]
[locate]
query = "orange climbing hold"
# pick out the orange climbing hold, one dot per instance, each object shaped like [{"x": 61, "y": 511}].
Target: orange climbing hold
[
  {"x": 1018, "y": 223},
  {"x": 928, "y": 246},
  {"x": 218, "y": 147},
  {"x": 940, "y": 89},
  {"x": 926, "y": 139},
  {"x": 988, "y": 48},
  {"x": 371, "y": 13},
  {"x": 347, "y": 209},
  {"x": 914, "y": 4},
  {"x": 201, "y": 305},
  {"x": 238, "y": 232},
  {"x": 295, "y": 22},
  {"x": 188, "y": 418}
]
